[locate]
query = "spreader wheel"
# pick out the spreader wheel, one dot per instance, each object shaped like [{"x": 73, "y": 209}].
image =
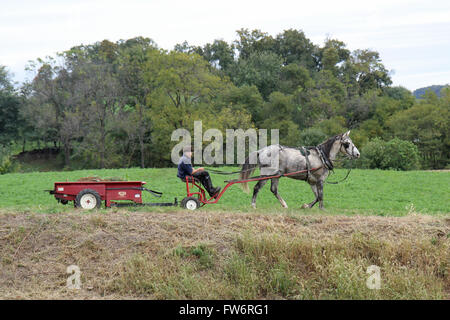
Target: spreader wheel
[
  {"x": 190, "y": 203},
  {"x": 88, "y": 199}
]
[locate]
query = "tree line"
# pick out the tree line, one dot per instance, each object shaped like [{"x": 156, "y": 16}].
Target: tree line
[{"x": 115, "y": 104}]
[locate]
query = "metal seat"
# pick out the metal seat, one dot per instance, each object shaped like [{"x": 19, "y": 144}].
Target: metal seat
[{"x": 190, "y": 179}]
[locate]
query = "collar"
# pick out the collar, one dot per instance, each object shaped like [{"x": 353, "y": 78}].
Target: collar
[{"x": 324, "y": 158}]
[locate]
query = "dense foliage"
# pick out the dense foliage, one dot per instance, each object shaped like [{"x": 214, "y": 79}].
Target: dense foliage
[
  {"x": 394, "y": 154},
  {"x": 108, "y": 105}
]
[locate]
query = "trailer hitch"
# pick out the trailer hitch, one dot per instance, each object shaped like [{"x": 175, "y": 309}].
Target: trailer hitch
[{"x": 133, "y": 204}]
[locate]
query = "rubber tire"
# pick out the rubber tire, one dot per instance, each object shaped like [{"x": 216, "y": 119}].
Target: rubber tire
[
  {"x": 88, "y": 191},
  {"x": 188, "y": 201}
]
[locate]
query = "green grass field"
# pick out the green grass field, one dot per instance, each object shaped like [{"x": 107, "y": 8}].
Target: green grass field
[{"x": 367, "y": 192}]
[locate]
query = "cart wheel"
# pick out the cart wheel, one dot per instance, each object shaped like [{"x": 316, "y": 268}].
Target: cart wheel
[
  {"x": 190, "y": 203},
  {"x": 88, "y": 199}
]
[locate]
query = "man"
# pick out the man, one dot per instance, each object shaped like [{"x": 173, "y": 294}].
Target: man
[{"x": 185, "y": 169}]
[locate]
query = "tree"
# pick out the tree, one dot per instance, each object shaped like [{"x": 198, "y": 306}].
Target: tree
[
  {"x": 333, "y": 126},
  {"x": 101, "y": 100},
  {"x": 187, "y": 91},
  {"x": 400, "y": 94},
  {"x": 6, "y": 84},
  {"x": 427, "y": 126},
  {"x": 278, "y": 114},
  {"x": 219, "y": 54},
  {"x": 332, "y": 55},
  {"x": 364, "y": 71},
  {"x": 10, "y": 103},
  {"x": 253, "y": 42},
  {"x": 245, "y": 98},
  {"x": 53, "y": 97},
  {"x": 293, "y": 46},
  {"x": 359, "y": 108},
  {"x": 138, "y": 63},
  {"x": 186, "y": 80},
  {"x": 312, "y": 137},
  {"x": 371, "y": 128},
  {"x": 294, "y": 77},
  {"x": 111, "y": 104},
  {"x": 261, "y": 69}
]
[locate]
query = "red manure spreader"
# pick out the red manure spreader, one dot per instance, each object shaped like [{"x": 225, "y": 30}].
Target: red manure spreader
[{"x": 90, "y": 194}]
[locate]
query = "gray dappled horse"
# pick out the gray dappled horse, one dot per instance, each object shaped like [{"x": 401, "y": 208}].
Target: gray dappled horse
[{"x": 292, "y": 160}]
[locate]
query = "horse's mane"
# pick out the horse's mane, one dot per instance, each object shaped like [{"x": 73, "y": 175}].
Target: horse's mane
[{"x": 328, "y": 144}]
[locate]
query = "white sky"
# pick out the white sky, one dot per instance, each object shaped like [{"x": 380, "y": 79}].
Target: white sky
[{"x": 412, "y": 37}]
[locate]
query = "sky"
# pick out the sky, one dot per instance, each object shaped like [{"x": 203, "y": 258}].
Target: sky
[{"x": 412, "y": 37}]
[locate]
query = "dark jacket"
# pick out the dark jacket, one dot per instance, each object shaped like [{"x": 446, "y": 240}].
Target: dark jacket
[{"x": 184, "y": 167}]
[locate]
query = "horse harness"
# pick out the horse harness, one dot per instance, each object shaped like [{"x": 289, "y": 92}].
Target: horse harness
[
  {"x": 323, "y": 157},
  {"x": 305, "y": 151}
]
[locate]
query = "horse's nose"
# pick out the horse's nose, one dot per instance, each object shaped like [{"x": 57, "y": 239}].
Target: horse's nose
[{"x": 357, "y": 155}]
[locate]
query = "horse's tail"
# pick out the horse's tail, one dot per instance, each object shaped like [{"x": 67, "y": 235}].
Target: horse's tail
[{"x": 246, "y": 171}]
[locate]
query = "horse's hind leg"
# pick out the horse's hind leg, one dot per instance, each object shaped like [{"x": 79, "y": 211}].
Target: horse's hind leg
[
  {"x": 256, "y": 189},
  {"x": 274, "y": 189}
]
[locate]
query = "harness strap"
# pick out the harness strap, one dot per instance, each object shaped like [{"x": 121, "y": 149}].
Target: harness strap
[
  {"x": 325, "y": 160},
  {"x": 305, "y": 153}
]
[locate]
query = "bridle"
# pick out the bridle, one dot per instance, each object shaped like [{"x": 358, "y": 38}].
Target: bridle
[{"x": 346, "y": 144}]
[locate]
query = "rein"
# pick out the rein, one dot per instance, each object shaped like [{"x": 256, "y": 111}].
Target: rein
[
  {"x": 346, "y": 176},
  {"x": 226, "y": 172},
  {"x": 305, "y": 152}
]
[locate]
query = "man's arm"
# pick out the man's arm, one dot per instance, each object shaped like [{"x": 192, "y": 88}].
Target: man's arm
[{"x": 197, "y": 170}]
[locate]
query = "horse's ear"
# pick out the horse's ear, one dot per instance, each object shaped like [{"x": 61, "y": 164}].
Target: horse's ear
[{"x": 347, "y": 134}]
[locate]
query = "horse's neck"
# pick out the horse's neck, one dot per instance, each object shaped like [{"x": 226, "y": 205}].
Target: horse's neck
[{"x": 334, "y": 151}]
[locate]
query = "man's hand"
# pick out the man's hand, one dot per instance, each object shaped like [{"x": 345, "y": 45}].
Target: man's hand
[{"x": 198, "y": 170}]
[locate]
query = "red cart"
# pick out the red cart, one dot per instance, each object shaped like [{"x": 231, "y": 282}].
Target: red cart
[{"x": 90, "y": 194}]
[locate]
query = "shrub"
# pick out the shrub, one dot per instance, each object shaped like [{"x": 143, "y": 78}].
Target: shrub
[
  {"x": 395, "y": 154},
  {"x": 7, "y": 165},
  {"x": 401, "y": 154},
  {"x": 372, "y": 154}
]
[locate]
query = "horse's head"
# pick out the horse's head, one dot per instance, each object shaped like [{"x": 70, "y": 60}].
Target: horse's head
[{"x": 347, "y": 146}]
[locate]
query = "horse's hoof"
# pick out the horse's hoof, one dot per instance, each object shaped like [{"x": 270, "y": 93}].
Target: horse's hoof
[
  {"x": 305, "y": 206},
  {"x": 253, "y": 206}
]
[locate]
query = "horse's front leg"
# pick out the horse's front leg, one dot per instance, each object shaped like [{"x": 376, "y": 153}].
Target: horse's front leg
[
  {"x": 320, "y": 193},
  {"x": 316, "y": 199}
]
